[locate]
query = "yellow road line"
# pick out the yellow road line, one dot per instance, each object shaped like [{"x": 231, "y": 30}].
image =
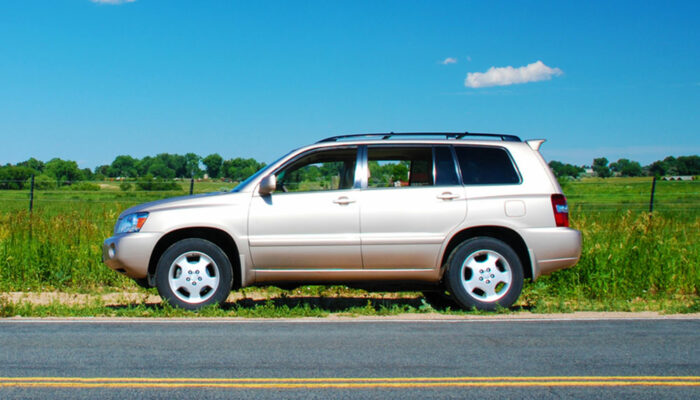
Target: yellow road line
[
  {"x": 399, "y": 385},
  {"x": 387, "y": 379},
  {"x": 348, "y": 383}
]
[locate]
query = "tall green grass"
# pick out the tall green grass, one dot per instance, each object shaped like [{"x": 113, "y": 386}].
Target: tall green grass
[
  {"x": 56, "y": 251},
  {"x": 631, "y": 255},
  {"x": 627, "y": 254}
]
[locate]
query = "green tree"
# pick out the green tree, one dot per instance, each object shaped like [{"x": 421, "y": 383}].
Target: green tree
[
  {"x": 600, "y": 167},
  {"x": 688, "y": 165},
  {"x": 658, "y": 168},
  {"x": 399, "y": 172},
  {"x": 32, "y": 163},
  {"x": 123, "y": 166},
  {"x": 87, "y": 174},
  {"x": 14, "y": 177},
  {"x": 160, "y": 169},
  {"x": 238, "y": 169},
  {"x": 626, "y": 167},
  {"x": 561, "y": 169},
  {"x": 143, "y": 165},
  {"x": 213, "y": 163},
  {"x": 63, "y": 171},
  {"x": 175, "y": 162},
  {"x": 192, "y": 169},
  {"x": 101, "y": 171}
]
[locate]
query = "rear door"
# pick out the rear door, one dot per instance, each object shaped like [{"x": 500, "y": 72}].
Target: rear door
[{"x": 411, "y": 201}]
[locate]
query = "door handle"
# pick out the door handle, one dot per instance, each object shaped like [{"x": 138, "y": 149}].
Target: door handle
[
  {"x": 447, "y": 196},
  {"x": 343, "y": 200}
]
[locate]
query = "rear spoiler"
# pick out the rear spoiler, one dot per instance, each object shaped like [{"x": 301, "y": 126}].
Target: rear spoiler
[{"x": 535, "y": 143}]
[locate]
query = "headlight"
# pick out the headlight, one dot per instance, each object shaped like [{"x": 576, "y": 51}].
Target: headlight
[{"x": 131, "y": 223}]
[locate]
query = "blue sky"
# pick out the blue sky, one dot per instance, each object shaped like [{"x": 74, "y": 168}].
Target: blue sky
[{"x": 87, "y": 81}]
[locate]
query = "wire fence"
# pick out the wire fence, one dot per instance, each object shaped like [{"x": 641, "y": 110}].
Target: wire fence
[{"x": 590, "y": 197}]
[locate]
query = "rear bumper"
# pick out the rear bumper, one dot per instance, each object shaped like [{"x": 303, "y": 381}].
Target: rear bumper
[
  {"x": 129, "y": 253},
  {"x": 552, "y": 249}
]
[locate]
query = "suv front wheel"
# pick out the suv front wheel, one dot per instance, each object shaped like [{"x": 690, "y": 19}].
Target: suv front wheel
[
  {"x": 484, "y": 273},
  {"x": 194, "y": 273}
]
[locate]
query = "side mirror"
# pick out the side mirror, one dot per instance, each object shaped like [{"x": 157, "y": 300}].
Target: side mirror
[{"x": 267, "y": 185}]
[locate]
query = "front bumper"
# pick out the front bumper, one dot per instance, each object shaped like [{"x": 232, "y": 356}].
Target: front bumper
[
  {"x": 552, "y": 249},
  {"x": 129, "y": 253}
]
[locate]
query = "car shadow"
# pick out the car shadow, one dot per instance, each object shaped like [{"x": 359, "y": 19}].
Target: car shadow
[
  {"x": 331, "y": 304},
  {"x": 336, "y": 304}
]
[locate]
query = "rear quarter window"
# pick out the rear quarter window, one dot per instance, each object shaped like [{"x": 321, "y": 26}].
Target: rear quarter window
[{"x": 482, "y": 165}]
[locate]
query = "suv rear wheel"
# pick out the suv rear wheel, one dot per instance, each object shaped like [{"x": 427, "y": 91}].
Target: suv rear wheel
[
  {"x": 194, "y": 273},
  {"x": 484, "y": 273}
]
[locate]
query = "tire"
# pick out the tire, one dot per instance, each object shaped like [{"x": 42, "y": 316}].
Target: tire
[
  {"x": 484, "y": 273},
  {"x": 142, "y": 282},
  {"x": 440, "y": 300},
  {"x": 194, "y": 273}
]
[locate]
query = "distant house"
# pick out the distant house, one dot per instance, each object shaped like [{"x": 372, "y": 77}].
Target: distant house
[{"x": 679, "y": 178}]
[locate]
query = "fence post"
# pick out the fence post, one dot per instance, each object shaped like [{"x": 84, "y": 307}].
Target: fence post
[
  {"x": 191, "y": 185},
  {"x": 651, "y": 200},
  {"x": 31, "y": 195}
]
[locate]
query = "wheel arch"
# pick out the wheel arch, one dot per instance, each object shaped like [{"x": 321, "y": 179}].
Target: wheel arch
[
  {"x": 507, "y": 235},
  {"x": 216, "y": 236}
]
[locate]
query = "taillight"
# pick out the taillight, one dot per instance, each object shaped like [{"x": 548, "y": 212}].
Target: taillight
[{"x": 561, "y": 210}]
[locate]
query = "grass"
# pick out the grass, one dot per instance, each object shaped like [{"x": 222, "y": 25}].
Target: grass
[
  {"x": 309, "y": 307},
  {"x": 631, "y": 261}
]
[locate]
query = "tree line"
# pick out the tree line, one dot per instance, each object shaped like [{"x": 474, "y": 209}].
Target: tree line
[
  {"x": 162, "y": 167},
  {"x": 601, "y": 167},
  {"x": 166, "y": 167}
]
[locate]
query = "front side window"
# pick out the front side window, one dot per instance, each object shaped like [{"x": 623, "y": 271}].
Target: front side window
[
  {"x": 399, "y": 166},
  {"x": 482, "y": 165},
  {"x": 319, "y": 170}
]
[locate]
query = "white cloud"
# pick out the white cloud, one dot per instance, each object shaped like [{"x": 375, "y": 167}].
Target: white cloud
[
  {"x": 503, "y": 76},
  {"x": 113, "y": 2},
  {"x": 449, "y": 60}
]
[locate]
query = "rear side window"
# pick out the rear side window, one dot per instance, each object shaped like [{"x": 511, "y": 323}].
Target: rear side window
[
  {"x": 395, "y": 167},
  {"x": 486, "y": 166}
]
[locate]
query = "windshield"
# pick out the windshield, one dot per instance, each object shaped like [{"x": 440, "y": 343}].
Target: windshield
[{"x": 260, "y": 172}]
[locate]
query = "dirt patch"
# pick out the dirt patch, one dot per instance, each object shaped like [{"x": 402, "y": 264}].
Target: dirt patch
[
  {"x": 128, "y": 298},
  {"x": 75, "y": 299}
]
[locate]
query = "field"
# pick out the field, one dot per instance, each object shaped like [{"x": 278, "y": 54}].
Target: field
[{"x": 632, "y": 260}]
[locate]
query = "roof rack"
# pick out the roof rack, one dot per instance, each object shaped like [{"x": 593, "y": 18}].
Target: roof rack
[{"x": 447, "y": 135}]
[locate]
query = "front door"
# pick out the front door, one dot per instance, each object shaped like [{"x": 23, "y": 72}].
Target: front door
[{"x": 312, "y": 220}]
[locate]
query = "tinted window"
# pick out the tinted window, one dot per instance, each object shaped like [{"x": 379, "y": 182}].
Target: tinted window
[
  {"x": 485, "y": 166},
  {"x": 399, "y": 166},
  {"x": 445, "y": 171}
]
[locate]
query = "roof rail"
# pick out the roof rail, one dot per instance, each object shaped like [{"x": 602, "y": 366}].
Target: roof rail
[{"x": 447, "y": 135}]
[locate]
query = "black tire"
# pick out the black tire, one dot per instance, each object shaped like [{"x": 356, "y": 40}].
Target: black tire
[
  {"x": 194, "y": 273},
  {"x": 484, "y": 273},
  {"x": 142, "y": 282},
  {"x": 440, "y": 300}
]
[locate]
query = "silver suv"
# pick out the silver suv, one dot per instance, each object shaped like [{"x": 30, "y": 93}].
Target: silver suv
[{"x": 460, "y": 218}]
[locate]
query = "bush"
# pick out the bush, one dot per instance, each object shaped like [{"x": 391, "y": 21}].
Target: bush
[
  {"x": 85, "y": 186},
  {"x": 125, "y": 186},
  {"x": 150, "y": 183},
  {"x": 42, "y": 182}
]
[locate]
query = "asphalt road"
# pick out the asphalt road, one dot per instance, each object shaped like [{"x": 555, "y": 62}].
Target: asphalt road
[{"x": 357, "y": 359}]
